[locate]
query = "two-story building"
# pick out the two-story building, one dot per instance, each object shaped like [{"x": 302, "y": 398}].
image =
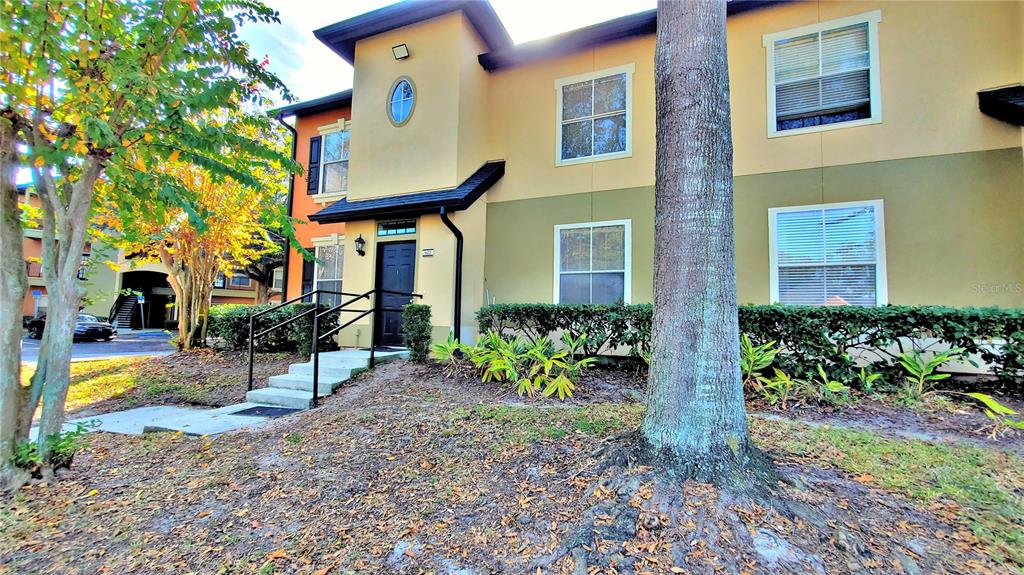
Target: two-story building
[{"x": 878, "y": 159}]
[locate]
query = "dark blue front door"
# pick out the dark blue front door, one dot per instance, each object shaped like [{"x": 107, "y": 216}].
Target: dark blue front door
[{"x": 396, "y": 267}]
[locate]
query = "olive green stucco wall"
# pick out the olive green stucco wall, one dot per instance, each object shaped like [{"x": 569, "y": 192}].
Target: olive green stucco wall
[{"x": 953, "y": 228}]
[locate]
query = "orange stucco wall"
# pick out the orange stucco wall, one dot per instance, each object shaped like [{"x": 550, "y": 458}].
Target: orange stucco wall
[{"x": 303, "y": 204}]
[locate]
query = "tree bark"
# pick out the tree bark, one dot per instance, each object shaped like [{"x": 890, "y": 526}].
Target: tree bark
[
  {"x": 262, "y": 292},
  {"x": 13, "y": 286},
  {"x": 695, "y": 422},
  {"x": 64, "y": 290}
]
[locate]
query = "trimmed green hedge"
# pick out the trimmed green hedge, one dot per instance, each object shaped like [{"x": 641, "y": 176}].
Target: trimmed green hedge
[
  {"x": 807, "y": 335},
  {"x": 416, "y": 327},
  {"x": 230, "y": 322}
]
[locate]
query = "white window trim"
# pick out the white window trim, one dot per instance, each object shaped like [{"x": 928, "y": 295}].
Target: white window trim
[
  {"x": 232, "y": 285},
  {"x": 325, "y": 241},
  {"x": 341, "y": 125},
  {"x": 872, "y": 19},
  {"x": 628, "y": 69},
  {"x": 881, "y": 275},
  {"x": 627, "y": 287}
]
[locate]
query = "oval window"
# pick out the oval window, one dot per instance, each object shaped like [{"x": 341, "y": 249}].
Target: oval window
[{"x": 402, "y": 101}]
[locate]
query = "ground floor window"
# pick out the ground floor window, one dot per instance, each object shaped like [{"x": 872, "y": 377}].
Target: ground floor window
[
  {"x": 592, "y": 262},
  {"x": 396, "y": 228},
  {"x": 828, "y": 254},
  {"x": 330, "y": 260}
]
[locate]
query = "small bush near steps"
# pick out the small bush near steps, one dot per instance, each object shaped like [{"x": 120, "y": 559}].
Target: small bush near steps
[{"x": 416, "y": 326}]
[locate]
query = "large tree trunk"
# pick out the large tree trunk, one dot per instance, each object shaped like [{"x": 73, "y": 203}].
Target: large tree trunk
[
  {"x": 262, "y": 292},
  {"x": 13, "y": 286},
  {"x": 695, "y": 422}
]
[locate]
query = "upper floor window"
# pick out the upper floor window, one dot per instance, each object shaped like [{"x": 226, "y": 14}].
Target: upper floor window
[
  {"x": 335, "y": 162},
  {"x": 824, "y": 76},
  {"x": 219, "y": 281},
  {"x": 328, "y": 160},
  {"x": 594, "y": 116},
  {"x": 401, "y": 101},
  {"x": 592, "y": 262},
  {"x": 830, "y": 254},
  {"x": 241, "y": 281}
]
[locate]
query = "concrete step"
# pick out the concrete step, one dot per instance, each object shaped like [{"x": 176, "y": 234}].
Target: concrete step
[
  {"x": 294, "y": 398},
  {"x": 328, "y": 369},
  {"x": 335, "y": 362},
  {"x": 304, "y": 382},
  {"x": 347, "y": 356}
]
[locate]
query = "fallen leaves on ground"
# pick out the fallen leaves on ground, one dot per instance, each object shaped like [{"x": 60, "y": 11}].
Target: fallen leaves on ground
[{"x": 404, "y": 473}]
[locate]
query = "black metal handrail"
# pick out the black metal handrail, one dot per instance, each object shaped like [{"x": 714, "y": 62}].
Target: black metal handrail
[{"x": 317, "y": 314}]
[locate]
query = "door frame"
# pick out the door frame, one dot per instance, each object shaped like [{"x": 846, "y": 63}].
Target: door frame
[{"x": 378, "y": 325}]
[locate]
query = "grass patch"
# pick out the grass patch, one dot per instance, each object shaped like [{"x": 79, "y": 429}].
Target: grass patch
[
  {"x": 985, "y": 483},
  {"x": 201, "y": 377},
  {"x": 522, "y": 425},
  {"x": 94, "y": 381}
]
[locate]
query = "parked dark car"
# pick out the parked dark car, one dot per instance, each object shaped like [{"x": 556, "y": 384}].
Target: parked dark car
[{"x": 87, "y": 327}]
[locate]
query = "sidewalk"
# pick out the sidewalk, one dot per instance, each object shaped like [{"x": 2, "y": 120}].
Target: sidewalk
[{"x": 190, "y": 421}]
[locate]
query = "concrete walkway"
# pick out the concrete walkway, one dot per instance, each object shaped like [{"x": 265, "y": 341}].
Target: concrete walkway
[{"x": 188, "y": 420}]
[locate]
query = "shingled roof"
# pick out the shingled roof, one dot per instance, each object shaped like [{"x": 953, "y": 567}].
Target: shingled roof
[
  {"x": 452, "y": 199},
  {"x": 342, "y": 36}
]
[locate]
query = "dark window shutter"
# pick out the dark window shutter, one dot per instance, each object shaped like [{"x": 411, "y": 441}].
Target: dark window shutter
[
  {"x": 313, "y": 173},
  {"x": 307, "y": 277}
]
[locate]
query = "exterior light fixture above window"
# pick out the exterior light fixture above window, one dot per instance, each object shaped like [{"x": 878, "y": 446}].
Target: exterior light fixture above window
[{"x": 400, "y": 51}]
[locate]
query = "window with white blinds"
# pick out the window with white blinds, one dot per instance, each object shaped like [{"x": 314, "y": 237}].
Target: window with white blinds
[
  {"x": 823, "y": 76},
  {"x": 832, "y": 254}
]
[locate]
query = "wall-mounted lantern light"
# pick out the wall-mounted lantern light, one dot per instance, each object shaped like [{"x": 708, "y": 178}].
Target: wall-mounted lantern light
[
  {"x": 400, "y": 51},
  {"x": 360, "y": 245}
]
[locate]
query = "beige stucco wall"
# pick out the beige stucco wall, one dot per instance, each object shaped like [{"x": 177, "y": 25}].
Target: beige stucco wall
[
  {"x": 434, "y": 274},
  {"x": 934, "y": 57},
  {"x": 950, "y": 176},
  {"x": 444, "y": 139},
  {"x": 952, "y": 229}
]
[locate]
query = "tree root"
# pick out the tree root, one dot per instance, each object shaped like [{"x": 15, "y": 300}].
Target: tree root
[{"x": 649, "y": 518}]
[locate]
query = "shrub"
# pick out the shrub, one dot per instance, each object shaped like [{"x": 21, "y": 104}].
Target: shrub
[
  {"x": 416, "y": 326},
  {"x": 63, "y": 447},
  {"x": 230, "y": 323},
  {"x": 531, "y": 368},
  {"x": 805, "y": 336}
]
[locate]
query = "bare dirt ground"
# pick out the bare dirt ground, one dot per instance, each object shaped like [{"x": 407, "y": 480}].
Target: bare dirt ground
[{"x": 406, "y": 471}]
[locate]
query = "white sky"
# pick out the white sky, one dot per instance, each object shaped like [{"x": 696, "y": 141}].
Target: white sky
[{"x": 312, "y": 70}]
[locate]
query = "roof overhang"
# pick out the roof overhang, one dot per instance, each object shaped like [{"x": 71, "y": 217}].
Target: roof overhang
[
  {"x": 342, "y": 36},
  {"x": 631, "y": 26},
  {"x": 407, "y": 205},
  {"x": 1005, "y": 103},
  {"x": 341, "y": 99}
]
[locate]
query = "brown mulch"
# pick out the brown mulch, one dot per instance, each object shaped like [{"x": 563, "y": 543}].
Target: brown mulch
[{"x": 403, "y": 472}]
